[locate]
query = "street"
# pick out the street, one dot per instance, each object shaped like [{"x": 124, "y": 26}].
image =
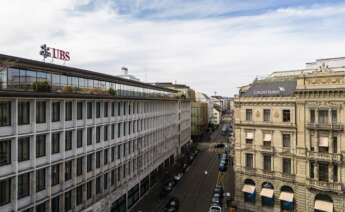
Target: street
[{"x": 194, "y": 191}]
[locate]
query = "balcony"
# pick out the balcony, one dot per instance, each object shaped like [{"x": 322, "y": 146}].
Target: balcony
[
  {"x": 326, "y": 126},
  {"x": 325, "y": 186},
  {"x": 267, "y": 149},
  {"x": 325, "y": 156},
  {"x": 266, "y": 124}
]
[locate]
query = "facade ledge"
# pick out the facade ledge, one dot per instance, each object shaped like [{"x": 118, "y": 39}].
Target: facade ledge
[
  {"x": 325, "y": 156},
  {"x": 325, "y": 126},
  {"x": 266, "y": 124},
  {"x": 325, "y": 186}
]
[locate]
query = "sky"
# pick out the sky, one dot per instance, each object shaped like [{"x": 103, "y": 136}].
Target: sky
[{"x": 210, "y": 45}]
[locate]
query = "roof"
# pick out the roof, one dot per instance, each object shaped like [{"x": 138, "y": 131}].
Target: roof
[
  {"x": 271, "y": 88},
  {"x": 169, "y": 84},
  {"x": 54, "y": 68}
]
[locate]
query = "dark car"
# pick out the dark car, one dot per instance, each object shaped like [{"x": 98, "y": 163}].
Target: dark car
[
  {"x": 219, "y": 146},
  {"x": 218, "y": 189},
  {"x": 172, "y": 205}
]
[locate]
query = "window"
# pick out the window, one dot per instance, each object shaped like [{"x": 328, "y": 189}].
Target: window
[
  {"x": 98, "y": 159},
  {"x": 105, "y": 109},
  {"x": 287, "y": 166},
  {"x": 119, "y": 108},
  {"x": 68, "y": 170},
  {"x": 55, "y": 173},
  {"x": 323, "y": 116},
  {"x": 55, "y": 111},
  {"x": 55, "y": 142},
  {"x": 267, "y": 163},
  {"x": 249, "y": 114},
  {"x": 249, "y": 160},
  {"x": 68, "y": 111},
  {"x": 79, "y": 110},
  {"x": 79, "y": 195},
  {"x": 23, "y": 149},
  {"x": 79, "y": 138},
  {"x": 23, "y": 185},
  {"x": 89, "y": 136},
  {"x": 89, "y": 190},
  {"x": 323, "y": 172},
  {"x": 249, "y": 137},
  {"x": 112, "y": 131},
  {"x": 79, "y": 166},
  {"x": 89, "y": 162},
  {"x": 105, "y": 181},
  {"x": 40, "y": 179},
  {"x": 5, "y": 114},
  {"x": 311, "y": 169},
  {"x": 98, "y": 134},
  {"x": 68, "y": 200},
  {"x": 334, "y": 116},
  {"x": 112, "y": 177},
  {"x": 5, "y": 194},
  {"x": 335, "y": 144},
  {"x": 286, "y": 115},
  {"x": 56, "y": 204},
  {"x": 40, "y": 112},
  {"x": 89, "y": 110},
  {"x": 112, "y": 153},
  {"x": 40, "y": 146},
  {"x": 41, "y": 207},
  {"x": 68, "y": 140},
  {"x": 105, "y": 156},
  {"x": 98, "y": 109},
  {"x": 119, "y": 152},
  {"x": 113, "y": 109},
  {"x": 98, "y": 185},
  {"x": 119, "y": 130},
  {"x": 335, "y": 173},
  {"x": 312, "y": 116},
  {"x": 5, "y": 152},
  {"x": 106, "y": 132},
  {"x": 23, "y": 113},
  {"x": 286, "y": 140},
  {"x": 267, "y": 115}
]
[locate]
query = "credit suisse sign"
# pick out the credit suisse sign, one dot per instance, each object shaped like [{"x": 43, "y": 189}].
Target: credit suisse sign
[{"x": 54, "y": 53}]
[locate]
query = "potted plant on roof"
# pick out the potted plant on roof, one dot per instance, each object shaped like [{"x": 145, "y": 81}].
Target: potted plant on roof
[{"x": 41, "y": 86}]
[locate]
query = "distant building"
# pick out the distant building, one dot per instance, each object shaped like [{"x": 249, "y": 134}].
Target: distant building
[
  {"x": 216, "y": 116},
  {"x": 184, "y": 90},
  {"x": 126, "y": 75},
  {"x": 199, "y": 119},
  {"x": 289, "y": 146},
  {"x": 201, "y": 97}
]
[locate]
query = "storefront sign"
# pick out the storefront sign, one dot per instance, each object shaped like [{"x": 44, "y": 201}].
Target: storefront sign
[{"x": 54, "y": 53}]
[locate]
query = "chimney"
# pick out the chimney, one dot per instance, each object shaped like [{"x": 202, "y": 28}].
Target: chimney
[{"x": 125, "y": 70}]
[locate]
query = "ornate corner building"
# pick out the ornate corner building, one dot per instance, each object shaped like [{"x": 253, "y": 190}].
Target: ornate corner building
[
  {"x": 77, "y": 140},
  {"x": 290, "y": 143}
]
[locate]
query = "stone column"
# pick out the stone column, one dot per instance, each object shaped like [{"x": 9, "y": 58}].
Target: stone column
[
  {"x": 330, "y": 172},
  {"x": 316, "y": 115},
  {"x": 330, "y": 143},
  {"x": 329, "y": 116}
]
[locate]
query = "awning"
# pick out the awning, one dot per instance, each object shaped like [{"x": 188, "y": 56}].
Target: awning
[
  {"x": 323, "y": 206},
  {"x": 267, "y": 192},
  {"x": 250, "y": 135},
  {"x": 286, "y": 196},
  {"x": 248, "y": 188},
  {"x": 268, "y": 137},
  {"x": 323, "y": 142}
]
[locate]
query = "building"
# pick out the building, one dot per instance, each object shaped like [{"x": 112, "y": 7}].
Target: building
[
  {"x": 183, "y": 90},
  {"x": 201, "y": 97},
  {"x": 216, "y": 116},
  {"x": 199, "y": 119},
  {"x": 289, "y": 148},
  {"x": 77, "y": 140},
  {"x": 126, "y": 75}
]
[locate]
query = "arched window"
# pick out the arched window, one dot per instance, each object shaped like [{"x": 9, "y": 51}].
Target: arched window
[
  {"x": 267, "y": 194},
  {"x": 323, "y": 203},
  {"x": 248, "y": 190},
  {"x": 286, "y": 198}
]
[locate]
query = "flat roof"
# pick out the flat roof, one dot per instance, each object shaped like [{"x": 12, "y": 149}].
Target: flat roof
[{"x": 19, "y": 62}]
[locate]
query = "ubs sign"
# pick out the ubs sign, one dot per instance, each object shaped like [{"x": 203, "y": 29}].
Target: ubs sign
[{"x": 54, "y": 53}]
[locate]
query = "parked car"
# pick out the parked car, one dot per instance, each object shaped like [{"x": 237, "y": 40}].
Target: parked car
[
  {"x": 172, "y": 205},
  {"x": 178, "y": 177},
  {"x": 215, "y": 208},
  {"x": 219, "y": 146}
]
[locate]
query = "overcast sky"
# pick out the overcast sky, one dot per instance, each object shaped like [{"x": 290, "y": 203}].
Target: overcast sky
[{"x": 210, "y": 45}]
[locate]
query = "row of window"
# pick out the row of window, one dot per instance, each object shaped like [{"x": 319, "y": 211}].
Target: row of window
[
  {"x": 267, "y": 163},
  {"x": 109, "y": 108},
  {"x": 286, "y": 117},
  {"x": 13, "y": 78},
  {"x": 24, "y": 143},
  {"x": 267, "y": 139}
]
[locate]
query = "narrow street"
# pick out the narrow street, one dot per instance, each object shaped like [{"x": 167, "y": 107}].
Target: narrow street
[{"x": 194, "y": 191}]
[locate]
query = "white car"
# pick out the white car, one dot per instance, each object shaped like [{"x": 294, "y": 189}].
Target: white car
[
  {"x": 215, "y": 208},
  {"x": 178, "y": 177}
]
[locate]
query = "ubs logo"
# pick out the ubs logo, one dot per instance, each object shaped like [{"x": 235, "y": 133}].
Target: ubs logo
[{"x": 54, "y": 53}]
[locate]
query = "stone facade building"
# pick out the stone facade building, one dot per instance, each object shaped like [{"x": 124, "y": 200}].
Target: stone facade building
[
  {"x": 290, "y": 143},
  {"x": 76, "y": 140}
]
